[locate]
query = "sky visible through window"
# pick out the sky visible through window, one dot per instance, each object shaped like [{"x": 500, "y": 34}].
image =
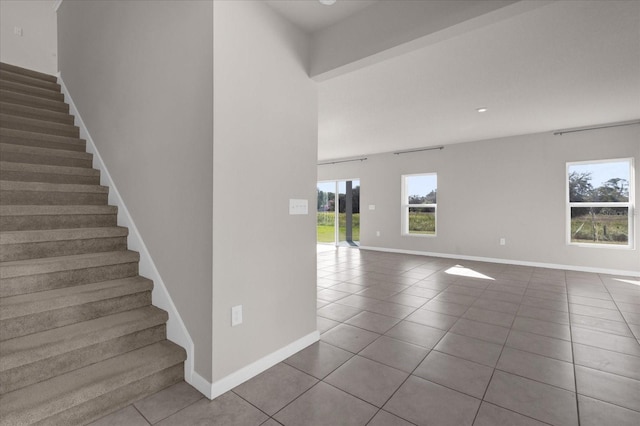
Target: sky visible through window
[
  {"x": 421, "y": 185},
  {"x": 602, "y": 172}
]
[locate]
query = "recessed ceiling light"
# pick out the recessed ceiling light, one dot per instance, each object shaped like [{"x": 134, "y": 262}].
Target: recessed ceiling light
[
  {"x": 483, "y": 109},
  {"x": 327, "y": 2}
]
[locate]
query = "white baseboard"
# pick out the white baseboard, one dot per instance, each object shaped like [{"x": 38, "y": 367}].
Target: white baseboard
[
  {"x": 176, "y": 330},
  {"x": 507, "y": 261},
  {"x": 238, "y": 377}
]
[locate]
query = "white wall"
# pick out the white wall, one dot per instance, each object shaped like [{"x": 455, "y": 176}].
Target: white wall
[
  {"x": 265, "y": 152},
  {"x": 511, "y": 187},
  {"x": 390, "y": 28},
  {"x": 37, "y": 48},
  {"x": 139, "y": 73}
]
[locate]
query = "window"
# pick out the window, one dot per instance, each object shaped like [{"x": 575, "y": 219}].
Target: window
[
  {"x": 600, "y": 203},
  {"x": 419, "y": 204}
]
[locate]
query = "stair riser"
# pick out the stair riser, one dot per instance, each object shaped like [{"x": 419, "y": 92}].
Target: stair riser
[
  {"x": 19, "y": 157},
  {"x": 42, "y": 127},
  {"x": 80, "y": 146},
  {"x": 26, "y": 375},
  {"x": 41, "y": 282},
  {"x": 115, "y": 400},
  {"x": 48, "y": 177},
  {"x": 11, "y": 252},
  {"x": 36, "y": 113},
  {"x": 29, "y": 198},
  {"x": 29, "y": 324},
  {"x": 27, "y": 72},
  {"x": 31, "y": 91},
  {"x": 23, "y": 79},
  {"x": 37, "y": 222},
  {"x": 33, "y": 101}
]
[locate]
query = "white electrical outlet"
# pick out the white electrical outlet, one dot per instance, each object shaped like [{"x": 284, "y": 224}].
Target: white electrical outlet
[
  {"x": 17, "y": 31},
  {"x": 236, "y": 315},
  {"x": 377, "y": 233},
  {"x": 503, "y": 241}
]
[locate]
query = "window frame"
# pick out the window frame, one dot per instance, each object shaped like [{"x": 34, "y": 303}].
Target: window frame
[
  {"x": 628, "y": 204},
  {"x": 404, "y": 202}
]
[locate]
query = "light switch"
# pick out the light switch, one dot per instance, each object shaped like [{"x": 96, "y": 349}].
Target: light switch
[
  {"x": 372, "y": 206},
  {"x": 17, "y": 31},
  {"x": 298, "y": 206}
]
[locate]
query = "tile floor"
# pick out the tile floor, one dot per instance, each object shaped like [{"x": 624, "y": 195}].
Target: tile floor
[{"x": 427, "y": 341}]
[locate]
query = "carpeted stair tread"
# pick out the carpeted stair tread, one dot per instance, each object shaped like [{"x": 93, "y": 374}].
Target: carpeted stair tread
[
  {"x": 21, "y": 193},
  {"x": 36, "y": 125},
  {"x": 28, "y": 172},
  {"x": 37, "y": 236},
  {"x": 9, "y": 135},
  {"x": 33, "y": 101},
  {"x": 21, "y": 268},
  {"x": 9, "y": 185},
  {"x": 27, "y": 72},
  {"x": 40, "y": 151},
  {"x": 31, "y": 81},
  {"x": 30, "y": 359},
  {"x": 37, "y": 346},
  {"x": 41, "y": 140},
  {"x": 26, "y": 304},
  {"x": 11, "y": 86},
  {"x": 48, "y": 169},
  {"x": 39, "y": 217},
  {"x": 28, "y": 244},
  {"x": 48, "y": 398},
  {"x": 36, "y": 210},
  {"x": 39, "y": 113}
]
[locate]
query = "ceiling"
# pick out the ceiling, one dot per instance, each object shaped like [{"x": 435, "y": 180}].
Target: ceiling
[
  {"x": 566, "y": 64},
  {"x": 312, "y": 16}
]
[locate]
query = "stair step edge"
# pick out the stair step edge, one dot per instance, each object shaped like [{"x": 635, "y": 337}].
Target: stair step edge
[
  {"x": 10, "y": 185},
  {"x": 48, "y": 169},
  {"x": 25, "y": 134},
  {"x": 22, "y": 268},
  {"x": 44, "y": 152},
  {"x": 12, "y": 118},
  {"x": 33, "y": 101},
  {"x": 44, "y": 210},
  {"x": 31, "y": 81},
  {"x": 31, "y": 303},
  {"x": 27, "y": 72},
  {"x": 25, "y": 350},
  {"x": 41, "y": 400},
  {"x": 46, "y": 235},
  {"x": 35, "y": 91},
  {"x": 31, "y": 112}
]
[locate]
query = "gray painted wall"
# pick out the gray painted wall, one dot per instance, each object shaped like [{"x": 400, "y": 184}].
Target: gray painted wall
[
  {"x": 512, "y": 188},
  {"x": 140, "y": 73},
  {"x": 36, "y": 49},
  {"x": 265, "y": 152}
]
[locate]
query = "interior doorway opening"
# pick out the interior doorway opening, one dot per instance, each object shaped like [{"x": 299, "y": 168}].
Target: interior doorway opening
[{"x": 338, "y": 217}]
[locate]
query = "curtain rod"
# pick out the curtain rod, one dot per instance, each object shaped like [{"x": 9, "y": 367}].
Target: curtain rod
[
  {"x": 418, "y": 150},
  {"x": 606, "y": 126},
  {"x": 342, "y": 161}
]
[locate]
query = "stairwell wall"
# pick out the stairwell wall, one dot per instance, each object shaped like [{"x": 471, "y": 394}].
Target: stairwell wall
[
  {"x": 36, "y": 47},
  {"x": 140, "y": 74},
  {"x": 265, "y": 153}
]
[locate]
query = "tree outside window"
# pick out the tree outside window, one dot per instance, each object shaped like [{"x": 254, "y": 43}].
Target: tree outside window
[{"x": 600, "y": 202}]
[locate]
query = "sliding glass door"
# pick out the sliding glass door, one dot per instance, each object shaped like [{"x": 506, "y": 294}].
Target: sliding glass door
[{"x": 339, "y": 212}]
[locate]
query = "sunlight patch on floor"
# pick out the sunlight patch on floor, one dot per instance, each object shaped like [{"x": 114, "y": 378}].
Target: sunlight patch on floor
[
  {"x": 634, "y": 282},
  {"x": 467, "y": 272}
]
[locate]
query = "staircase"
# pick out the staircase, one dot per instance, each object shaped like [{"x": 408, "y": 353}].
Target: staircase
[{"x": 79, "y": 337}]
